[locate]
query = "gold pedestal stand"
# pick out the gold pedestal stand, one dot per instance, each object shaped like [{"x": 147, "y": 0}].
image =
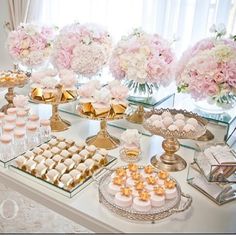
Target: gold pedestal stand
[
  {"x": 9, "y": 97},
  {"x": 56, "y": 122},
  {"x": 169, "y": 160},
  {"x": 103, "y": 139},
  {"x": 138, "y": 116}
]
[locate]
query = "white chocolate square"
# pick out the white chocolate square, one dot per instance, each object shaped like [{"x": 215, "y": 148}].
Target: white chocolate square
[
  {"x": 76, "y": 174},
  {"x": 69, "y": 141},
  {"x": 76, "y": 158},
  {"x": 55, "y": 150},
  {"x": 69, "y": 163},
  {"x": 57, "y": 158},
  {"x": 61, "y": 168},
  {"x": 50, "y": 163},
  {"x": 89, "y": 163},
  {"x": 91, "y": 148},
  {"x": 39, "y": 159},
  {"x": 40, "y": 169},
  {"x": 29, "y": 155},
  {"x": 82, "y": 167},
  {"x": 84, "y": 154},
  {"x": 45, "y": 146},
  {"x": 30, "y": 165},
  {"x": 47, "y": 154},
  {"x": 73, "y": 149},
  {"x": 65, "y": 154},
  {"x": 80, "y": 144},
  {"x": 53, "y": 142},
  {"x": 20, "y": 161},
  {"x": 62, "y": 145},
  {"x": 97, "y": 157},
  {"x": 52, "y": 175},
  {"x": 66, "y": 179},
  {"x": 37, "y": 151},
  {"x": 60, "y": 138}
]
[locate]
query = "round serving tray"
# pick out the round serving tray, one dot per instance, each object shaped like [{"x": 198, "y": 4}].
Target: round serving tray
[{"x": 171, "y": 206}]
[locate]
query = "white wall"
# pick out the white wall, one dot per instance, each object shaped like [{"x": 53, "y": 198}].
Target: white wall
[{"x": 5, "y": 61}]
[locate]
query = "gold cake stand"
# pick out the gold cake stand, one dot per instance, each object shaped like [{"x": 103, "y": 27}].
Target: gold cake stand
[
  {"x": 169, "y": 160},
  {"x": 102, "y": 139},
  {"x": 10, "y": 83},
  {"x": 56, "y": 122}
]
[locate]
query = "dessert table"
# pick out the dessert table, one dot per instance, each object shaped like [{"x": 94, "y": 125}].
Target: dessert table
[{"x": 204, "y": 216}]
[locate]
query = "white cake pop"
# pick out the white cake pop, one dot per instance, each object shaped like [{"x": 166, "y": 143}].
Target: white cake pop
[
  {"x": 155, "y": 117},
  {"x": 188, "y": 128},
  {"x": 166, "y": 114},
  {"x": 180, "y": 124},
  {"x": 158, "y": 124},
  {"x": 179, "y": 116},
  {"x": 192, "y": 121},
  {"x": 167, "y": 121},
  {"x": 173, "y": 128}
]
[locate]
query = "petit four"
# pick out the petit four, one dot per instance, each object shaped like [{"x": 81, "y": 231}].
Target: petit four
[
  {"x": 30, "y": 165},
  {"x": 166, "y": 114},
  {"x": 151, "y": 182},
  {"x": 20, "y": 161},
  {"x": 29, "y": 154},
  {"x": 62, "y": 145},
  {"x": 119, "y": 172},
  {"x": 45, "y": 146},
  {"x": 115, "y": 186},
  {"x": 99, "y": 159},
  {"x": 40, "y": 170},
  {"x": 61, "y": 168},
  {"x": 124, "y": 198},
  {"x": 57, "y": 158},
  {"x": 193, "y": 122},
  {"x": 67, "y": 180},
  {"x": 70, "y": 142},
  {"x": 80, "y": 145},
  {"x": 188, "y": 128},
  {"x": 73, "y": 149},
  {"x": 53, "y": 142},
  {"x": 76, "y": 158},
  {"x": 55, "y": 150},
  {"x": 90, "y": 163},
  {"x": 76, "y": 175},
  {"x": 52, "y": 175},
  {"x": 131, "y": 180},
  {"x": 69, "y": 164},
  {"x": 142, "y": 202},
  {"x": 39, "y": 159},
  {"x": 37, "y": 150},
  {"x": 173, "y": 128},
  {"x": 170, "y": 189},
  {"x": 83, "y": 169},
  {"x": 167, "y": 121},
  {"x": 162, "y": 176},
  {"x": 47, "y": 154},
  {"x": 65, "y": 154},
  {"x": 91, "y": 149},
  {"x": 157, "y": 197},
  {"x": 84, "y": 154},
  {"x": 60, "y": 139},
  {"x": 179, "y": 116}
]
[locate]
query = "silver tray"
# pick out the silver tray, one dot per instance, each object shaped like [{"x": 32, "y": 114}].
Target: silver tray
[{"x": 172, "y": 206}]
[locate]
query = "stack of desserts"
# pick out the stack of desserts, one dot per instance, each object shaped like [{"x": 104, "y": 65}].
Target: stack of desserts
[
  {"x": 12, "y": 78},
  {"x": 176, "y": 122},
  {"x": 98, "y": 101},
  {"x": 63, "y": 162},
  {"x": 141, "y": 189},
  {"x": 53, "y": 86}
]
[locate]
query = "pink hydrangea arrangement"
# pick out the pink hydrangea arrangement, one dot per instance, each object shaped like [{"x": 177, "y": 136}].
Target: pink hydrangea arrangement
[
  {"x": 143, "y": 58},
  {"x": 83, "y": 48},
  {"x": 30, "y": 44},
  {"x": 208, "y": 71}
]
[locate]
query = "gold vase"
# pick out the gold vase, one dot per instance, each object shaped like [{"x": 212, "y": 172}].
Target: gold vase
[
  {"x": 103, "y": 139},
  {"x": 137, "y": 116},
  {"x": 9, "y": 97}
]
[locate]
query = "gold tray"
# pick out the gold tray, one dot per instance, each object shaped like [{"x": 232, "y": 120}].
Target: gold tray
[{"x": 172, "y": 206}]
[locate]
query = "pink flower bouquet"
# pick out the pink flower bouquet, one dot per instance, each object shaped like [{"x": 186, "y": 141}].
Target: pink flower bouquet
[
  {"x": 30, "y": 44},
  {"x": 85, "y": 49},
  {"x": 143, "y": 58},
  {"x": 208, "y": 71}
]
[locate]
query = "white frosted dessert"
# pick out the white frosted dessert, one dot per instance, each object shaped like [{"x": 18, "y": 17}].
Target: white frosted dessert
[
  {"x": 132, "y": 168},
  {"x": 193, "y": 122},
  {"x": 157, "y": 197},
  {"x": 66, "y": 180},
  {"x": 52, "y": 175},
  {"x": 83, "y": 169},
  {"x": 158, "y": 124},
  {"x": 188, "y": 128},
  {"x": 92, "y": 166},
  {"x": 80, "y": 145},
  {"x": 61, "y": 168},
  {"x": 39, "y": 159},
  {"x": 30, "y": 165},
  {"x": 84, "y": 154},
  {"x": 53, "y": 142},
  {"x": 57, "y": 158},
  {"x": 123, "y": 198},
  {"x": 20, "y": 161},
  {"x": 170, "y": 189},
  {"x": 119, "y": 172},
  {"x": 29, "y": 154},
  {"x": 167, "y": 121},
  {"x": 91, "y": 149},
  {"x": 62, "y": 145},
  {"x": 115, "y": 186},
  {"x": 55, "y": 150},
  {"x": 37, "y": 151},
  {"x": 65, "y": 154},
  {"x": 142, "y": 202},
  {"x": 47, "y": 154},
  {"x": 180, "y": 124},
  {"x": 103, "y": 152},
  {"x": 45, "y": 146},
  {"x": 50, "y": 163},
  {"x": 166, "y": 114},
  {"x": 148, "y": 171},
  {"x": 162, "y": 176},
  {"x": 76, "y": 175},
  {"x": 60, "y": 139},
  {"x": 76, "y": 158},
  {"x": 69, "y": 163},
  {"x": 41, "y": 170},
  {"x": 73, "y": 149},
  {"x": 99, "y": 159},
  {"x": 179, "y": 117},
  {"x": 70, "y": 142},
  {"x": 173, "y": 128}
]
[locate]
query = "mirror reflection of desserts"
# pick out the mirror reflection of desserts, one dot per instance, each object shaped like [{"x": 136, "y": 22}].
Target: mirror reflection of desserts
[
  {"x": 141, "y": 189},
  {"x": 53, "y": 86},
  {"x": 102, "y": 102}
]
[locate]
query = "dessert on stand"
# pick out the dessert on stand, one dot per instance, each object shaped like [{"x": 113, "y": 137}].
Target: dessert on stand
[
  {"x": 103, "y": 104},
  {"x": 9, "y": 80},
  {"x": 141, "y": 193},
  {"x": 173, "y": 124},
  {"x": 51, "y": 87}
]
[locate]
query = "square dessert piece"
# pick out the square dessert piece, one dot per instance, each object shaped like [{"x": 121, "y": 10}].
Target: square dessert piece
[
  {"x": 20, "y": 161},
  {"x": 84, "y": 154},
  {"x": 53, "y": 142},
  {"x": 47, "y": 154},
  {"x": 103, "y": 152},
  {"x": 60, "y": 139},
  {"x": 37, "y": 151},
  {"x": 76, "y": 158},
  {"x": 73, "y": 149},
  {"x": 91, "y": 149},
  {"x": 70, "y": 142},
  {"x": 77, "y": 176},
  {"x": 66, "y": 180},
  {"x": 85, "y": 104},
  {"x": 50, "y": 163},
  {"x": 65, "y": 154},
  {"x": 39, "y": 159},
  {"x": 30, "y": 165},
  {"x": 69, "y": 163},
  {"x": 45, "y": 146},
  {"x": 57, "y": 158},
  {"x": 99, "y": 159},
  {"x": 119, "y": 107},
  {"x": 83, "y": 169},
  {"x": 100, "y": 110},
  {"x": 40, "y": 170},
  {"x": 62, "y": 145},
  {"x": 61, "y": 168},
  {"x": 90, "y": 163},
  {"x": 55, "y": 150},
  {"x": 80, "y": 145},
  {"x": 29, "y": 155},
  {"x": 52, "y": 175}
]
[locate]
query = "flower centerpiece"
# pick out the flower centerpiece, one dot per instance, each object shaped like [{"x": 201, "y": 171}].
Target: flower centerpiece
[
  {"x": 208, "y": 70},
  {"x": 144, "y": 60},
  {"x": 30, "y": 45},
  {"x": 82, "y": 48}
]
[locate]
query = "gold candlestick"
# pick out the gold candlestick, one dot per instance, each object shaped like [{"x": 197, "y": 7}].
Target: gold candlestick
[{"x": 137, "y": 116}]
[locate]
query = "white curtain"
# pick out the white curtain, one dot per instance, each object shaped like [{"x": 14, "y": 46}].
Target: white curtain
[
  {"x": 18, "y": 11},
  {"x": 186, "y": 20}
]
